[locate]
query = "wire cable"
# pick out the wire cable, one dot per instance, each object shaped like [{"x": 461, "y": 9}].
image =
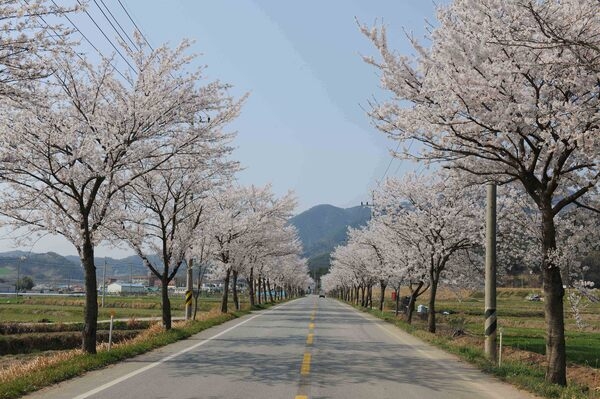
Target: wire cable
[
  {"x": 119, "y": 25},
  {"x": 107, "y": 38},
  {"x": 136, "y": 26},
  {"x": 389, "y": 164},
  {"x": 111, "y": 23},
  {"x": 86, "y": 39}
]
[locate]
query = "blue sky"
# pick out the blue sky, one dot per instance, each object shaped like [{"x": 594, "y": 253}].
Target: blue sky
[{"x": 303, "y": 127}]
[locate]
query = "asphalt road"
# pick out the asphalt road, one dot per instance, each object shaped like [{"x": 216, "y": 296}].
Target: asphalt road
[{"x": 308, "y": 348}]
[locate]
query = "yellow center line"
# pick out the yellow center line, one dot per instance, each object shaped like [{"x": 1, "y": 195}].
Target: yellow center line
[
  {"x": 311, "y": 326},
  {"x": 309, "y": 339},
  {"x": 301, "y": 397},
  {"x": 305, "y": 369}
]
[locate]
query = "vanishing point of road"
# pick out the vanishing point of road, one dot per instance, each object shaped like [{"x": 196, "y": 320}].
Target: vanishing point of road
[{"x": 304, "y": 349}]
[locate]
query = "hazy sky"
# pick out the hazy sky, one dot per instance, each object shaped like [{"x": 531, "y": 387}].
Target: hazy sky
[{"x": 304, "y": 126}]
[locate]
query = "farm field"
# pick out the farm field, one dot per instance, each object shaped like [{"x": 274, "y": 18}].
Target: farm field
[
  {"x": 520, "y": 320},
  {"x": 39, "y": 309},
  {"x": 35, "y": 325}
]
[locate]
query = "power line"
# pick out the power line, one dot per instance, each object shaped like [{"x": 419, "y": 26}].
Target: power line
[
  {"x": 86, "y": 39},
  {"x": 400, "y": 164},
  {"x": 389, "y": 164},
  {"x": 113, "y": 26},
  {"x": 107, "y": 38},
  {"x": 134, "y": 24}
]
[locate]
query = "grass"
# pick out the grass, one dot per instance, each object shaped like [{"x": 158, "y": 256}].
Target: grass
[
  {"x": 50, "y": 370},
  {"x": 70, "y": 309},
  {"x": 523, "y": 326}
]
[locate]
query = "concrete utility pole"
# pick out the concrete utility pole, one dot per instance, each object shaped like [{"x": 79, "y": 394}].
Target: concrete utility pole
[
  {"x": 104, "y": 282},
  {"x": 490, "y": 275},
  {"x": 18, "y": 284},
  {"x": 189, "y": 289}
]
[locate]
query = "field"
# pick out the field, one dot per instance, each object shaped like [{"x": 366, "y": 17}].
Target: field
[
  {"x": 36, "y": 324},
  {"x": 70, "y": 309},
  {"x": 521, "y": 322}
]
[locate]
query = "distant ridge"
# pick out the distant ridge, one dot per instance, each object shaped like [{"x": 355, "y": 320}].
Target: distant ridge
[
  {"x": 320, "y": 228},
  {"x": 323, "y": 227},
  {"x": 52, "y": 267}
]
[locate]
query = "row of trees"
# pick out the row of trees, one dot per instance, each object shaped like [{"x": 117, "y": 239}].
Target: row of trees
[
  {"x": 140, "y": 158},
  {"x": 507, "y": 92}
]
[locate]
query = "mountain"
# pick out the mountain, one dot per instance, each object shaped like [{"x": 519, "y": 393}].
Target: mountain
[
  {"x": 320, "y": 228},
  {"x": 53, "y": 268},
  {"x": 323, "y": 227},
  {"x": 41, "y": 267},
  {"x": 117, "y": 267}
]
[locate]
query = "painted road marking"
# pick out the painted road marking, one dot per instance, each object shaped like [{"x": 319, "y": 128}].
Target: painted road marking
[
  {"x": 166, "y": 359},
  {"x": 309, "y": 339},
  {"x": 305, "y": 369},
  {"x": 304, "y": 383}
]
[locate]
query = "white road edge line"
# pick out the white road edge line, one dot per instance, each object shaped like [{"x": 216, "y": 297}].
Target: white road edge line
[
  {"x": 390, "y": 329},
  {"x": 165, "y": 359}
]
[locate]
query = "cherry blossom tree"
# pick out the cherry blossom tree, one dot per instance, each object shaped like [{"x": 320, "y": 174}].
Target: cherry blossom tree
[
  {"x": 271, "y": 244},
  {"x": 507, "y": 92},
  {"x": 522, "y": 243},
  {"x": 243, "y": 217},
  {"x": 437, "y": 220},
  {"x": 29, "y": 39},
  {"x": 164, "y": 209},
  {"x": 63, "y": 162}
]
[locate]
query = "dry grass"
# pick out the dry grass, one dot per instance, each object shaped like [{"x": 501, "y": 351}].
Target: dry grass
[{"x": 19, "y": 367}]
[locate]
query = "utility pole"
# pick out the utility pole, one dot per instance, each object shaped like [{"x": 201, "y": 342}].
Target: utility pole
[
  {"x": 490, "y": 275},
  {"x": 18, "y": 284},
  {"x": 189, "y": 289},
  {"x": 104, "y": 282}
]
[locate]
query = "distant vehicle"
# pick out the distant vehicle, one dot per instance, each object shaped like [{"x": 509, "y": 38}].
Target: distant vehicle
[
  {"x": 534, "y": 297},
  {"x": 321, "y": 295}
]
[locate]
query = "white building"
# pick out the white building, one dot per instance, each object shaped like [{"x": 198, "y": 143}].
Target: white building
[{"x": 125, "y": 288}]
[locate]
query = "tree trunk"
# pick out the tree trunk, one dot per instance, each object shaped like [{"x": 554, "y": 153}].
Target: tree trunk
[
  {"x": 397, "y": 295},
  {"x": 236, "y": 300},
  {"x": 556, "y": 369},
  {"x": 382, "y": 286},
  {"x": 225, "y": 291},
  {"x": 434, "y": 276},
  {"x": 264, "y": 290},
  {"x": 269, "y": 288},
  {"x": 250, "y": 282},
  {"x": 90, "y": 311},
  {"x": 166, "y": 303},
  {"x": 362, "y": 297},
  {"x": 257, "y": 290},
  {"x": 414, "y": 294}
]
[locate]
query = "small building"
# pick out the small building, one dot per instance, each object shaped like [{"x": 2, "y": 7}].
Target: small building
[{"x": 125, "y": 288}]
